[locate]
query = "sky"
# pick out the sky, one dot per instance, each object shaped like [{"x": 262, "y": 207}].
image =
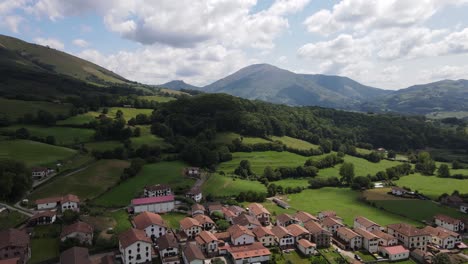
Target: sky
[{"x": 389, "y": 44}]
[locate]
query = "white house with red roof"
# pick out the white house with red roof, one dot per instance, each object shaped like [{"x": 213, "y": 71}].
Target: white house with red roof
[
  {"x": 66, "y": 202},
  {"x": 135, "y": 247},
  {"x": 306, "y": 247},
  {"x": 190, "y": 226},
  {"x": 252, "y": 253},
  {"x": 395, "y": 253},
  {"x": 450, "y": 223},
  {"x": 81, "y": 231},
  {"x": 240, "y": 235},
  {"x": 158, "y": 204},
  {"x": 153, "y": 224}
]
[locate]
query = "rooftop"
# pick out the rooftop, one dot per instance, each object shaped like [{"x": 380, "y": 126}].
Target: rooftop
[
  {"x": 146, "y": 219},
  {"x": 249, "y": 251},
  {"x": 131, "y": 236},
  {"x": 393, "y": 250},
  {"x": 407, "y": 229},
  {"x": 153, "y": 200},
  {"x": 306, "y": 243},
  {"x": 365, "y": 222},
  {"x": 188, "y": 222},
  {"x": 80, "y": 227}
]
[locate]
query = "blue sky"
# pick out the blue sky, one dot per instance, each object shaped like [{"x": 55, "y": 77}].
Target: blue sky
[{"x": 388, "y": 44}]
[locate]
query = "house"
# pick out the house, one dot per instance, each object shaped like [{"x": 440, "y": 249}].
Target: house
[
  {"x": 319, "y": 235},
  {"x": 43, "y": 218},
  {"x": 237, "y": 210},
  {"x": 261, "y": 213},
  {"x": 195, "y": 194},
  {"x": 228, "y": 215},
  {"x": 190, "y": 227},
  {"x": 306, "y": 247},
  {"x": 410, "y": 236},
  {"x": 331, "y": 224},
  {"x": 70, "y": 202},
  {"x": 252, "y": 253},
  {"x": 153, "y": 224},
  {"x": 449, "y": 223},
  {"x": 304, "y": 217},
  {"x": 370, "y": 242},
  {"x": 422, "y": 256},
  {"x": 192, "y": 254},
  {"x": 452, "y": 201},
  {"x": 348, "y": 239},
  {"x": 247, "y": 221},
  {"x": 15, "y": 244},
  {"x": 264, "y": 236},
  {"x": 157, "y": 190},
  {"x": 48, "y": 203},
  {"x": 75, "y": 255},
  {"x": 395, "y": 253},
  {"x": 385, "y": 239},
  {"x": 464, "y": 208},
  {"x": 205, "y": 221},
  {"x": 298, "y": 232},
  {"x": 215, "y": 207},
  {"x": 198, "y": 209},
  {"x": 168, "y": 248},
  {"x": 442, "y": 237},
  {"x": 192, "y": 172},
  {"x": 398, "y": 191},
  {"x": 223, "y": 236},
  {"x": 158, "y": 204},
  {"x": 285, "y": 220},
  {"x": 81, "y": 231},
  {"x": 324, "y": 214},
  {"x": 135, "y": 246},
  {"x": 366, "y": 224},
  {"x": 208, "y": 243},
  {"x": 283, "y": 238},
  {"x": 38, "y": 173},
  {"x": 281, "y": 203},
  {"x": 240, "y": 235}
]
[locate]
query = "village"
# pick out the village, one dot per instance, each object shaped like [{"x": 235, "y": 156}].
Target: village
[{"x": 253, "y": 235}]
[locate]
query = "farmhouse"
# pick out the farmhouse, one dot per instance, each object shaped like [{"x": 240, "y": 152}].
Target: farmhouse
[
  {"x": 240, "y": 235},
  {"x": 215, "y": 207},
  {"x": 75, "y": 255},
  {"x": 43, "y": 218},
  {"x": 192, "y": 254},
  {"x": 205, "y": 221},
  {"x": 66, "y": 202},
  {"x": 38, "y": 173},
  {"x": 385, "y": 239},
  {"x": 395, "y": 253},
  {"x": 190, "y": 227},
  {"x": 410, "y": 236},
  {"x": 452, "y": 200},
  {"x": 153, "y": 224},
  {"x": 253, "y": 253},
  {"x": 449, "y": 223},
  {"x": 14, "y": 244},
  {"x": 135, "y": 246},
  {"x": 195, "y": 194},
  {"x": 237, "y": 210},
  {"x": 331, "y": 224},
  {"x": 304, "y": 217},
  {"x": 247, "y": 221},
  {"x": 324, "y": 214},
  {"x": 81, "y": 231},
  {"x": 442, "y": 237},
  {"x": 198, "y": 209},
  {"x": 281, "y": 203},
  {"x": 285, "y": 220},
  {"x": 265, "y": 236},
  {"x": 284, "y": 238},
  {"x": 261, "y": 213},
  {"x": 228, "y": 215},
  {"x": 298, "y": 232},
  {"x": 157, "y": 190},
  {"x": 348, "y": 239},
  {"x": 398, "y": 191},
  {"x": 370, "y": 242},
  {"x": 422, "y": 256},
  {"x": 159, "y": 204},
  {"x": 306, "y": 247},
  {"x": 208, "y": 243},
  {"x": 168, "y": 249},
  {"x": 192, "y": 172},
  {"x": 366, "y": 224},
  {"x": 318, "y": 234},
  {"x": 464, "y": 208}
]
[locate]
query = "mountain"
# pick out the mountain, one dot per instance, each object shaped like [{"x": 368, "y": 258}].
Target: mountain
[
  {"x": 272, "y": 84},
  {"x": 178, "y": 85},
  {"x": 16, "y": 53},
  {"x": 441, "y": 96}
]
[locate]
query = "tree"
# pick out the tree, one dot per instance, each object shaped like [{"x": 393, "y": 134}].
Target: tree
[
  {"x": 347, "y": 172},
  {"x": 119, "y": 114},
  {"x": 391, "y": 154},
  {"x": 442, "y": 258},
  {"x": 456, "y": 165},
  {"x": 425, "y": 164},
  {"x": 137, "y": 132},
  {"x": 70, "y": 216},
  {"x": 326, "y": 145},
  {"x": 15, "y": 179},
  {"x": 443, "y": 171},
  {"x": 361, "y": 182},
  {"x": 244, "y": 170},
  {"x": 222, "y": 225},
  {"x": 22, "y": 133},
  {"x": 50, "y": 140}
]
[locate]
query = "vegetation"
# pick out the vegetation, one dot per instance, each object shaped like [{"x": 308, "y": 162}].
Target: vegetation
[
  {"x": 14, "y": 109},
  {"x": 220, "y": 185},
  {"x": 432, "y": 186},
  {"x": 295, "y": 143},
  {"x": 158, "y": 98},
  {"x": 43, "y": 249},
  {"x": 15, "y": 180},
  {"x": 62, "y": 135},
  {"x": 10, "y": 219},
  {"x": 228, "y": 137}
]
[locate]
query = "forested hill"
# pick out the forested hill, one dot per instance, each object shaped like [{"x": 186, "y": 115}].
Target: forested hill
[{"x": 203, "y": 116}]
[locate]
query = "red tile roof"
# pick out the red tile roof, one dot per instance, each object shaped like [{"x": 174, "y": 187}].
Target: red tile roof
[
  {"x": 236, "y": 231},
  {"x": 306, "y": 243},
  {"x": 440, "y": 232},
  {"x": 383, "y": 235},
  {"x": 70, "y": 198},
  {"x": 203, "y": 219},
  {"x": 205, "y": 237},
  {"x": 305, "y": 217},
  {"x": 261, "y": 231},
  {"x": 13, "y": 238},
  {"x": 131, "y": 236},
  {"x": 157, "y": 187},
  {"x": 448, "y": 219},
  {"x": 347, "y": 233},
  {"x": 10, "y": 261},
  {"x": 188, "y": 222},
  {"x": 296, "y": 230},
  {"x": 47, "y": 213},
  {"x": 153, "y": 200},
  {"x": 280, "y": 231},
  {"x": 366, "y": 234},
  {"x": 48, "y": 200},
  {"x": 314, "y": 227},
  {"x": 192, "y": 252},
  {"x": 283, "y": 218},
  {"x": 396, "y": 250},
  {"x": 248, "y": 251},
  {"x": 257, "y": 209},
  {"x": 365, "y": 222},
  {"x": 146, "y": 219},
  {"x": 75, "y": 255},
  {"x": 245, "y": 219},
  {"x": 407, "y": 230},
  {"x": 330, "y": 221},
  {"x": 80, "y": 227},
  {"x": 198, "y": 207}
]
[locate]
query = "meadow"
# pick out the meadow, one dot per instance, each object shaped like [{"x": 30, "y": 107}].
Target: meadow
[
  {"x": 295, "y": 143},
  {"x": 228, "y": 137},
  {"x": 15, "y": 109},
  {"x": 128, "y": 112},
  {"x": 172, "y": 219},
  {"x": 157, "y": 98},
  {"x": 34, "y": 153},
  {"x": 11, "y": 219},
  {"x": 149, "y": 139},
  {"x": 87, "y": 184},
  {"x": 170, "y": 173},
  {"x": 63, "y": 135},
  {"x": 43, "y": 249},
  {"x": 432, "y": 186},
  {"x": 103, "y": 145},
  {"x": 80, "y": 119},
  {"x": 219, "y": 185}
]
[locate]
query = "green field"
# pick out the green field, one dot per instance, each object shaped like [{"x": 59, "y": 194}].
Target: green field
[
  {"x": 103, "y": 145},
  {"x": 14, "y": 109},
  {"x": 34, "y": 153},
  {"x": 149, "y": 139},
  {"x": 433, "y": 186},
  {"x": 293, "y": 183},
  {"x": 157, "y": 98},
  {"x": 163, "y": 172},
  {"x": 43, "y": 249},
  {"x": 173, "y": 92},
  {"x": 228, "y": 137},
  {"x": 87, "y": 184},
  {"x": 449, "y": 154},
  {"x": 63, "y": 135},
  {"x": 172, "y": 219},
  {"x": 128, "y": 113},
  {"x": 122, "y": 221},
  {"x": 79, "y": 119},
  {"x": 11, "y": 219},
  {"x": 219, "y": 185},
  {"x": 295, "y": 143}
]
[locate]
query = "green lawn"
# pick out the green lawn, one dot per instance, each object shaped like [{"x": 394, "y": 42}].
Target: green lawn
[
  {"x": 228, "y": 137},
  {"x": 172, "y": 219},
  {"x": 103, "y": 145},
  {"x": 433, "y": 186},
  {"x": 11, "y": 219},
  {"x": 157, "y": 98},
  {"x": 80, "y": 119},
  {"x": 122, "y": 221},
  {"x": 43, "y": 249},
  {"x": 219, "y": 185},
  {"x": 293, "y": 183},
  {"x": 292, "y": 257},
  {"x": 330, "y": 254},
  {"x": 295, "y": 143},
  {"x": 149, "y": 139},
  {"x": 14, "y": 109},
  {"x": 87, "y": 184},
  {"x": 63, "y": 135},
  {"x": 128, "y": 113},
  {"x": 162, "y": 172},
  {"x": 34, "y": 153}
]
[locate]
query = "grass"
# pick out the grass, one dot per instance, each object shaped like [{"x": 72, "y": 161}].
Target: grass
[
  {"x": 128, "y": 113},
  {"x": 87, "y": 184},
  {"x": 34, "y": 153},
  {"x": 219, "y": 185},
  {"x": 157, "y": 98},
  {"x": 149, "y": 139},
  {"x": 228, "y": 137},
  {"x": 78, "y": 119},
  {"x": 122, "y": 221},
  {"x": 330, "y": 254},
  {"x": 172, "y": 219},
  {"x": 15, "y": 109},
  {"x": 43, "y": 249},
  {"x": 295, "y": 143},
  {"x": 433, "y": 186},
  {"x": 292, "y": 257},
  {"x": 365, "y": 256},
  {"x": 293, "y": 183},
  {"x": 449, "y": 154},
  {"x": 11, "y": 219},
  {"x": 63, "y": 135},
  {"x": 103, "y": 145},
  {"x": 173, "y": 92},
  {"x": 162, "y": 172}
]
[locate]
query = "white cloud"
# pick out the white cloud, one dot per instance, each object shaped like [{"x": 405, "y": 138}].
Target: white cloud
[
  {"x": 12, "y": 22},
  {"x": 444, "y": 72},
  {"x": 51, "y": 42},
  {"x": 80, "y": 43}
]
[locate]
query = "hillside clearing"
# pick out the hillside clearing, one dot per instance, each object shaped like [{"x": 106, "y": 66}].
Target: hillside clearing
[
  {"x": 149, "y": 139},
  {"x": 157, "y": 98},
  {"x": 15, "y": 109},
  {"x": 295, "y": 143},
  {"x": 219, "y": 185},
  {"x": 103, "y": 145},
  {"x": 432, "y": 186},
  {"x": 63, "y": 135},
  {"x": 228, "y": 137}
]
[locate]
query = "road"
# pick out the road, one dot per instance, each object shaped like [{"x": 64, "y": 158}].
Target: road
[
  {"x": 346, "y": 254},
  {"x": 20, "y": 210}
]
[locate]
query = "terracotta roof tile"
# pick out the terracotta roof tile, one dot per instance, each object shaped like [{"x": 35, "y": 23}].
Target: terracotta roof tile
[
  {"x": 203, "y": 219},
  {"x": 249, "y": 251},
  {"x": 448, "y": 219},
  {"x": 305, "y": 217},
  {"x": 188, "y": 222},
  {"x": 440, "y": 232},
  {"x": 168, "y": 240},
  {"x": 383, "y": 235},
  {"x": 407, "y": 229},
  {"x": 80, "y": 227},
  {"x": 146, "y": 219},
  {"x": 206, "y": 237},
  {"x": 236, "y": 231},
  {"x": 314, "y": 227},
  {"x": 280, "y": 231},
  {"x": 131, "y": 236},
  {"x": 346, "y": 232},
  {"x": 257, "y": 209},
  {"x": 157, "y": 187},
  {"x": 13, "y": 237},
  {"x": 296, "y": 230},
  {"x": 366, "y": 234},
  {"x": 192, "y": 252},
  {"x": 75, "y": 255},
  {"x": 365, "y": 222},
  {"x": 245, "y": 219},
  {"x": 261, "y": 231},
  {"x": 330, "y": 221},
  {"x": 306, "y": 243}
]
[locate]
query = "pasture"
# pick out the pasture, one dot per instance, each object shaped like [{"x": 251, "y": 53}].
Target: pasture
[
  {"x": 157, "y": 98},
  {"x": 149, "y": 139},
  {"x": 87, "y": 184},
  {"x": 63, "y": 135},
  {"x": 128, "y": 112},
  {"x": 162, "y": 172},
  {"x": 80, "y": 119},
  {"x": 433, "y": 186},
  {"x": 15, "y": 109},
  {"x": 219, "y": 185},
  {"x": 172, "y": 219},
  {"x": 295, "y": 143},
  {"x": 103, "y": 145},
  {"x": 293, "y": 183},
  {"x": 43, "y": 249},
  {"x": 34, "y": 153},
  {"x": 11, "y": 219},
  {"x": 228, "y": 137}
]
